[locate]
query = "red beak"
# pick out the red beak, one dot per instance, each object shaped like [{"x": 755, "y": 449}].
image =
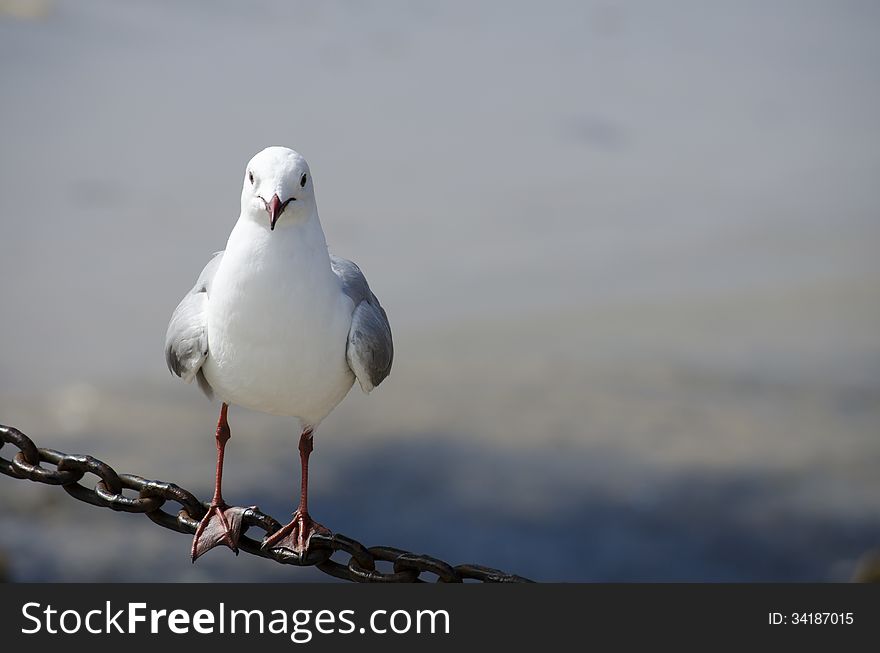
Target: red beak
[{"x": 274, "y": 207}]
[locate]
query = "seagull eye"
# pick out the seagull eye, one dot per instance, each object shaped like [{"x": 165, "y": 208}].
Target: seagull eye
[
  {"x": 302, "y": 181},
  {"x": 251, "y": 177}
]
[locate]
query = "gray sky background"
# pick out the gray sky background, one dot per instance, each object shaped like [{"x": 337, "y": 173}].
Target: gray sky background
[{"x": 475, "y": 158}]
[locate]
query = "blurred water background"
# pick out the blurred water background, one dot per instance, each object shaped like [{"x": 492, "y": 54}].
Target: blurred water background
[{"x": 629, "y": 251}]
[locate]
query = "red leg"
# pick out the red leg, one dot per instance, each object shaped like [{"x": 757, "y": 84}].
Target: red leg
[
  {"x": 306, "y": 446},
  {"x": 221, "y": 524},
  {"x": 295, "y": 536}
]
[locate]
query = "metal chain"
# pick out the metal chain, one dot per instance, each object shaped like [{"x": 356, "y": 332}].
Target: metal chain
[{"x": 153, "y": 495}]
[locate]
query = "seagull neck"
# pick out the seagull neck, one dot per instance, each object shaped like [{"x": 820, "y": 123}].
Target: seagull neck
[{"x": 298, "y": 240}]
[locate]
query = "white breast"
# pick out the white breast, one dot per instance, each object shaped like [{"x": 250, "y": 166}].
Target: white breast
[{"x": 278, "y": 323}]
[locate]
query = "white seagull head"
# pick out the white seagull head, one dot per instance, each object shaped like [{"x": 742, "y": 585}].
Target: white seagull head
[{"x": 277, "y": 188}]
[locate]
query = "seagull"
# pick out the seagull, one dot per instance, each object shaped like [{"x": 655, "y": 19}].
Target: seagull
[{"x": 276, "y": 323}]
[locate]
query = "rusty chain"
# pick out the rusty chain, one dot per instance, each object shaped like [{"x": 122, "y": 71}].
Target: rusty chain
[{"x": 153, "y": 495}]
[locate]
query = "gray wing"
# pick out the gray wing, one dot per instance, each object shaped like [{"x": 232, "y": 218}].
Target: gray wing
[
  {"x": 370, "y": 349},
  {"x": 186, "y": 341}
]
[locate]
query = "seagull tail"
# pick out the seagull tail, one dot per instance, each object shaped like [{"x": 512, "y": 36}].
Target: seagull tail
[{"x": 204, "y": 385}]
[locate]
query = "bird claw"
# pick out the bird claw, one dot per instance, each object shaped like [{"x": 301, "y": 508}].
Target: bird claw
[
  {"x": 294, "y": 538},
  {"x": 221, "y": 525}
]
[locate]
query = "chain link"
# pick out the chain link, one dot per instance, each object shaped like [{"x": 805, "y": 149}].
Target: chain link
[{"x": 153, "y": 497}]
